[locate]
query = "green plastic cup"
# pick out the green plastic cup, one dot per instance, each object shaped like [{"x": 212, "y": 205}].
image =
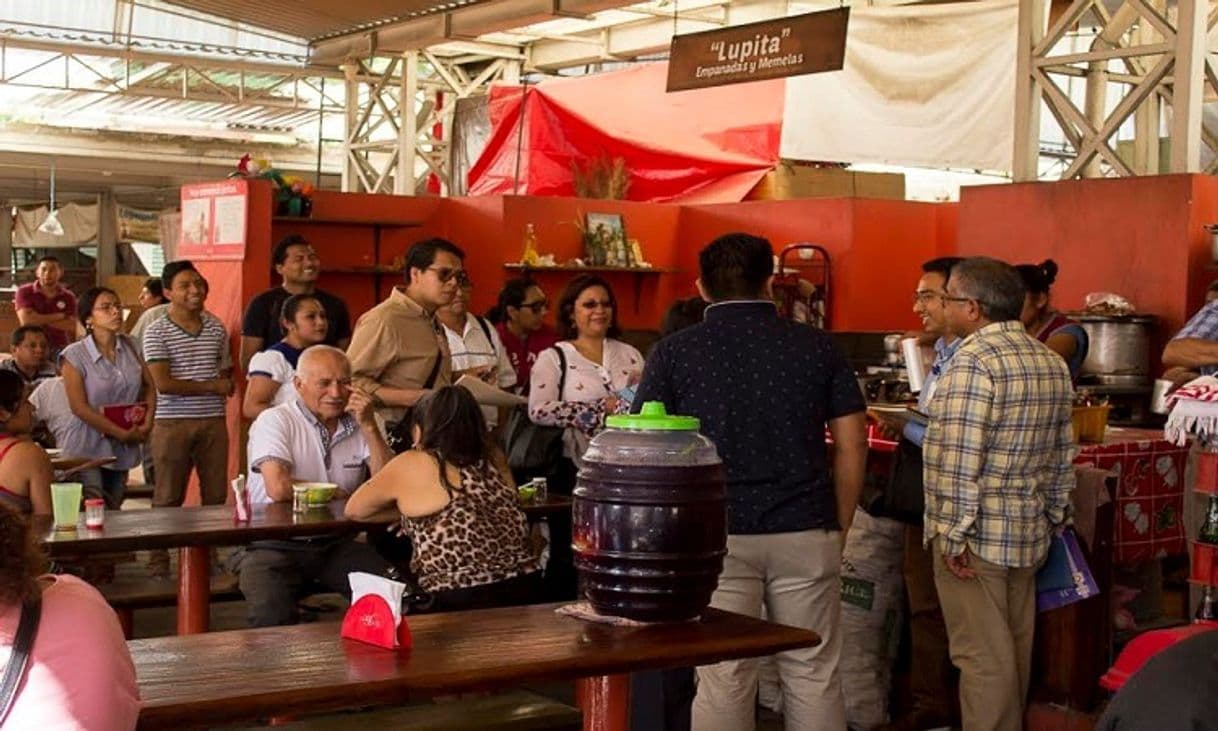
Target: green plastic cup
[{"x": 65, "y": 504}]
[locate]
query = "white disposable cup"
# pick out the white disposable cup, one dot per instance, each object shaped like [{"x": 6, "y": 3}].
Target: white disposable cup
[{"x": 915, "y": 370}]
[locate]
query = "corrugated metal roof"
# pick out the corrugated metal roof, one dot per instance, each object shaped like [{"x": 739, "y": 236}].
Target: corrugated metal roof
[{"x": 314, "y": 19}]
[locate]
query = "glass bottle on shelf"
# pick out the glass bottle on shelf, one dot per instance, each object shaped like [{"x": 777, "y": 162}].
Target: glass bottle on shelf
[
  {"x": 1209, "y": 529},
  {"x": 1206, "y": 611},
  {"x": 530, "y": 256}
]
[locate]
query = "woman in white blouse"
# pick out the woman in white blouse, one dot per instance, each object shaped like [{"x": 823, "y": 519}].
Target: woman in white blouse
[
  {"x": 270, "y": 373},
  {"x": 600, "y": 374}
]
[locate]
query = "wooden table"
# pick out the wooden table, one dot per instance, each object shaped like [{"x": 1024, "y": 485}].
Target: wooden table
[
  {"x": 67, "y": 464},
  {"x": 195, "y": 530},
  {"x": 246, "y": 675}
]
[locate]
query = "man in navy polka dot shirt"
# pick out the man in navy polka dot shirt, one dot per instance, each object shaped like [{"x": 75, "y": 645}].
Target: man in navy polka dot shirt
[{"x": 765, "y": 389}]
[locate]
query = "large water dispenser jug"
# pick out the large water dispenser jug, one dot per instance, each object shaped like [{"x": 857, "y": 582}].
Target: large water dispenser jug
[{"x": 649, "y": 526}]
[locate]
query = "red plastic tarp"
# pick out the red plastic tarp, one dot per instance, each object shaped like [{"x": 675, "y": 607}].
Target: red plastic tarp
[{"x": 701, "y": 146}]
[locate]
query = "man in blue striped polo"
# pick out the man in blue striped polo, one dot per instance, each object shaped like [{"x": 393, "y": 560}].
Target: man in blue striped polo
[{"x": 185, "y": 354}]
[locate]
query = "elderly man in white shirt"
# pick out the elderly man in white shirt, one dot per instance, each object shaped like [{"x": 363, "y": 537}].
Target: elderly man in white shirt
[{"x": 326, "y": 434}]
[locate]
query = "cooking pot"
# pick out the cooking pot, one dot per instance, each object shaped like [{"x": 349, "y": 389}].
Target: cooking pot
[{"x": 1120, "y": 346}]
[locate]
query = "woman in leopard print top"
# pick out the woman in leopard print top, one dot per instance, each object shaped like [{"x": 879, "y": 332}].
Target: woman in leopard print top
[{"x": 458, "y": 504}]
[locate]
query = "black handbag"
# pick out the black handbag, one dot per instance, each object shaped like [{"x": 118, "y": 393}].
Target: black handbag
[
  {"x": 533, "y": 448},
  {"x": 19, "y": 660}
]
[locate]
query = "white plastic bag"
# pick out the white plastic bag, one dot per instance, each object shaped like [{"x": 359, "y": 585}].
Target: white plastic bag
[{"x": 872, "y": 605}]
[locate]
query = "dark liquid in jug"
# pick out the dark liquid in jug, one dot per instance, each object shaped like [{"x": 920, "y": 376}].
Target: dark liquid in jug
[{"x": 649, "y": 541}]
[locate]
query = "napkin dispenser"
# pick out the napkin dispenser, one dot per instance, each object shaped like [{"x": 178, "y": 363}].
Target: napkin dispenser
[{"x": 375, "y": 616}]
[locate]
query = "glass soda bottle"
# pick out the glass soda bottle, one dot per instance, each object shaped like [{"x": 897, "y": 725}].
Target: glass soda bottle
[
  {"x": 530, "y": 257},
  {"x": 1209, "y": 529},
  {"x": 1206, "y": 611}
]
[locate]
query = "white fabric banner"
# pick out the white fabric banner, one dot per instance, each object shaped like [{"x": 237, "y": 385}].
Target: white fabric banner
[
  {"x": 923, "y": 85},
  {"x": 79, "y": 221}
]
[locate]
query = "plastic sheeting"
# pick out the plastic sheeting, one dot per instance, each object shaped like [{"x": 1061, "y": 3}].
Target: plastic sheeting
[
  {"x": 929, "y": 85},
  {"x": 702, "y": 146}
]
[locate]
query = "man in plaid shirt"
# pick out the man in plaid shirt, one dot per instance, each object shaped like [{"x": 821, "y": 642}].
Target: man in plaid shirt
[
  {"x": 1194, "y": 350},
  {"x": 998, "y": 474}
]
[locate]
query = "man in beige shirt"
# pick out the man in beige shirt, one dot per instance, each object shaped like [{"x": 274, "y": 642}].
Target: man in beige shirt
[{"x": 398, "y": 351}]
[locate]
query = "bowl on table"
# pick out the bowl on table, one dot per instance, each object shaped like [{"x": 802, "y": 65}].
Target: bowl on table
[{"x": 318, "y": 493}]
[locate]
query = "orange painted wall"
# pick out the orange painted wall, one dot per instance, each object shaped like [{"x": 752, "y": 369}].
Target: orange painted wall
[
  {"x": 875, "y": 247},
  {"x": 1138, "y": 237},
  {"x": 1201, "y": 266}
]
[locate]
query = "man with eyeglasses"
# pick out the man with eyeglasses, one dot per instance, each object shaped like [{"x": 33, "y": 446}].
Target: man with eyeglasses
[
  {"x": 933, "y": 685},
  {"x": 998, "y": 474},
  {"x": 398, "y": 351},
  {"x": 475, "y": 348},
  {"x": 299, "y": 266}
]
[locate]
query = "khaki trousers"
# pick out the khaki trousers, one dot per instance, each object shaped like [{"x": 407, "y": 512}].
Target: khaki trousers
[
  {"x": 990, "y": 622},
  {"x": 797, "y": 577},
  {"x": 181, "y": 444}
]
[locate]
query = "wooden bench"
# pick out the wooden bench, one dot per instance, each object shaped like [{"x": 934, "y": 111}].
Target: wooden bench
[
  {"x": 127, "y": 596},
  {"x": 511, "y": 711}
]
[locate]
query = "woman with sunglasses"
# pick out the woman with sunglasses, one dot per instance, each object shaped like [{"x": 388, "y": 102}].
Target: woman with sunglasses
[
  {"x": 587, "y": 375},
  {"x": 304, "y": 323},
  {"x": 105, "y": 370},
  {"x": 519, "y": 317}
]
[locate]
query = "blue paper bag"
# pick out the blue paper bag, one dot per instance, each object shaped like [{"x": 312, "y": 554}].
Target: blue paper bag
[{"x": 1065, "y": 578}]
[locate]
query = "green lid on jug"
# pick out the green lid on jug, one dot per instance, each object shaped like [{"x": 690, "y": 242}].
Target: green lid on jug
[{"x": 653, "y": 417}]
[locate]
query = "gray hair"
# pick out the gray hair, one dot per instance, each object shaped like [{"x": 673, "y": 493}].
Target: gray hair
[
  {"x": 995, "y": 285},
  {"x": 313, "y": 352}
]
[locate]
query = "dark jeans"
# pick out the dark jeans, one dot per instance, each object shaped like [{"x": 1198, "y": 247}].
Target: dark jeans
[
  {"x": 514, "y": 592},
  {"x": 661, "y": 700},
  {"x": 109, "y": 485},
  {"x": 273, "y": 575}
]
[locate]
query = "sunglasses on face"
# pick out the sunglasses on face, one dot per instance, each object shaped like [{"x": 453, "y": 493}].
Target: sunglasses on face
[
  {"x": 447, "y": 274},
  {"x": 537, "y": 307},
  {"x": 593, "y": 304}
]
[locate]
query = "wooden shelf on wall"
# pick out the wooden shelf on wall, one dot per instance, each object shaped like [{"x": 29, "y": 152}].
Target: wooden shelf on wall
[
  {"x": 637, "y": 272},
  {"x": 592, "y": 270},
  {"x": 340, "y": 221}
]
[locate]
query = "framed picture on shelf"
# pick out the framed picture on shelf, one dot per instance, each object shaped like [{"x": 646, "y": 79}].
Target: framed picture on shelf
[{"x": 605, "y": 241}]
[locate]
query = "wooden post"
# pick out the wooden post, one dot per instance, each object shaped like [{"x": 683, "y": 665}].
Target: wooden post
[
  {"x": 194, "y": 589},
  {"x": 1187, "y": 96},
  {"x": 408, "y": 133},
  {"x": 1025, "y": 160},
  {"x": 605, "y": 702}
]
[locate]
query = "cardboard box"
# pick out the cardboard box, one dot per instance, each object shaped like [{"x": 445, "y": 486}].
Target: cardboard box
[{"x": 792, "y": 179}]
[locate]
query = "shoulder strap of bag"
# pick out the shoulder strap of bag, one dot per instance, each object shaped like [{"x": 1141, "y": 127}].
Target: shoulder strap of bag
[
  {"x": 19, "y": 661},
  {"x": 435, "y": 369},
  {"x": 562, "y": 369},
  {"x": 486, "y": 330}
]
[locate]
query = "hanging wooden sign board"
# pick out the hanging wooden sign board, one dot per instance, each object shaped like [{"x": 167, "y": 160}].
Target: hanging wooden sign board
[{"x": 772, "y": 49}]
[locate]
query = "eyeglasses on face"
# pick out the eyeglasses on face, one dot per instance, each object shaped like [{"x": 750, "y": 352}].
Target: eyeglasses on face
[
  {"x": 922, "y": 296},
  {"x": 537, "y": 307},
  {"x": 447, "y": 274},
  {"x": 593, "y": 304},
  {"x": 108, "y": 307}
]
